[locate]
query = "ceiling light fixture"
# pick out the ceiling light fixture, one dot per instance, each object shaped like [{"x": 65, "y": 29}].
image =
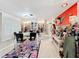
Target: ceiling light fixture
[{"x": 64, "y": 4}]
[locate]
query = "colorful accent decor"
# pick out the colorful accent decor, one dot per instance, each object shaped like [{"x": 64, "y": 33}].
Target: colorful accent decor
[{"x": 72, "y": 11}]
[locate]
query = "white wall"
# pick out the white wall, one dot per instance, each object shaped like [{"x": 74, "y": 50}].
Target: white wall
[
  {"x": 78, "y": 11},
  {"x": 0, "y": 25},
  {"x": 8, "y": 25}
]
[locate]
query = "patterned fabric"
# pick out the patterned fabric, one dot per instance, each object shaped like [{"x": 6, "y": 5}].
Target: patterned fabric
[{"x": 24, "y": 50}]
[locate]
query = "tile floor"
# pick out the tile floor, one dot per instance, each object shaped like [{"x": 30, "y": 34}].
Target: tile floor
[{"x": 48, "y": 48}]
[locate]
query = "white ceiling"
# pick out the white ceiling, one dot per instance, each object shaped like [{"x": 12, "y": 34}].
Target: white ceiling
[{"x": 39, "y": 8}]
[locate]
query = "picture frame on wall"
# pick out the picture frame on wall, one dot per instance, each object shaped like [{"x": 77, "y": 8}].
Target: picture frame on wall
[{"x": 73, "y": 19}]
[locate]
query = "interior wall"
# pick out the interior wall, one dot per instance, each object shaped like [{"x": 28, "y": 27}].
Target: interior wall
[
  {"x": 0, "y": 25},
  {"x": 78, "y": 9},
  {"x": 72, "y": 11},
  {"x": 9, "y": 24}
]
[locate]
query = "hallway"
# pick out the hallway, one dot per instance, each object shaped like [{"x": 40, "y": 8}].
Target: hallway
[{"x": 39, "y": 28}]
